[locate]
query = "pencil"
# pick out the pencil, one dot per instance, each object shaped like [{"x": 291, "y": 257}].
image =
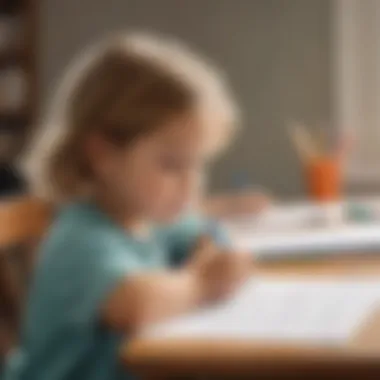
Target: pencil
[{"x": 305, "y": 144}]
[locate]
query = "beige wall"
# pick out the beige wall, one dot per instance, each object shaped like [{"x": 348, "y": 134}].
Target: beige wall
[{"x": 276, "y": 53}]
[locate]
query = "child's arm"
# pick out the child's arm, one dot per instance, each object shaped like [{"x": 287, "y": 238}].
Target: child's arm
[{"x": 148, "y": 298}]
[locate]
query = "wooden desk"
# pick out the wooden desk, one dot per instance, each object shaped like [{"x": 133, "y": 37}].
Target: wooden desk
[{"x": 359, "y": 359}]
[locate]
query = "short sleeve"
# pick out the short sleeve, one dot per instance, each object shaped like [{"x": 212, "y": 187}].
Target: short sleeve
[
  {"x": 98, "y": 263},
  {"x": 183, "y": 236}
]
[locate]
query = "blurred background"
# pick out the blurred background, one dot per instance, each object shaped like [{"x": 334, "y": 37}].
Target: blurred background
[
  {"x": 306, "y": 74},
  {"x": 311, "y": 61}
]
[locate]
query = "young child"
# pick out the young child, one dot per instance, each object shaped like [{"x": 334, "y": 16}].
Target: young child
[{"x": 134, "y": 125}]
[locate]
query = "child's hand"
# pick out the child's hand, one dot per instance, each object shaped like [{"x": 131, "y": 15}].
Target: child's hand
[
  {"x": 224, "y": 274},
  {"x": 218, "y": 273}
]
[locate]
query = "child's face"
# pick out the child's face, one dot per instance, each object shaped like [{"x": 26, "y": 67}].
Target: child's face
[{"x": 160, "y": 174}]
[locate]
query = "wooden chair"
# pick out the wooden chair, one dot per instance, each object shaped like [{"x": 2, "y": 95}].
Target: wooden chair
[{"x": 23, "y": 221}]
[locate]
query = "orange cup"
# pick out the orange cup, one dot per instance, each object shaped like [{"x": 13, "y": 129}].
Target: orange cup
[{"x": 324, "y": 179}]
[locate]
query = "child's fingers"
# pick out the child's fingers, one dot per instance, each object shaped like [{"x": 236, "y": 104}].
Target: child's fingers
[
  {"x": 246, "y": 262},
  {"x": 238, "y": 264},
  {"x": 204, "y": 249},
  {"x": 245, "y": 257},
  {"x": 204, "y": 243}
]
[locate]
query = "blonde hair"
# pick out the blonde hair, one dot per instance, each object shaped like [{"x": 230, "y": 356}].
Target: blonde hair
[{"x": 123, "y": 87}]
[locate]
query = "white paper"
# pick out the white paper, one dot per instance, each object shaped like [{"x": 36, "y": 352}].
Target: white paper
[
  {"x": 304, "y": 229},
  {"x": 316, "y": 310},
  {"x": 339, "y": 240}
]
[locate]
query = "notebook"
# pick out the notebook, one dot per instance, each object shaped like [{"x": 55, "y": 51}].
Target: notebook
[{"x": 294, "y": 309}]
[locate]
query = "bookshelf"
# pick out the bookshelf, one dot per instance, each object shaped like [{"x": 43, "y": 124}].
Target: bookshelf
[{"x": 18, "y": 75}]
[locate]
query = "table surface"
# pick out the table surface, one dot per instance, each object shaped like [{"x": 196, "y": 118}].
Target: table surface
[{"x": 362, "y": 353}]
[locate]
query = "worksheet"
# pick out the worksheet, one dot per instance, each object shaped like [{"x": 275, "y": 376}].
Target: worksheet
[{"x": 291, "y": 309}]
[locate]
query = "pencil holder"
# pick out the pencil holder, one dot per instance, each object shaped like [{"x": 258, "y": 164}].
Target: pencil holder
[{"x": 324, "y": 179}]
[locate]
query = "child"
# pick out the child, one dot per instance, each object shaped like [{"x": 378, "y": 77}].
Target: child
[{"x": 133, "y": 127}]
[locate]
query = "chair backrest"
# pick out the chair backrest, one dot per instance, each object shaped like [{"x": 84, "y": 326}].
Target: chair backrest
[
  {"x": 22, "y": 219},
  {"x": 23, "y": 222}
]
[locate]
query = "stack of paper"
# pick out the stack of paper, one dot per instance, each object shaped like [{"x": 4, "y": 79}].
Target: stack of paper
[
  {"x": 282, "y": 309},
  {"x": 303, "y": 230}
]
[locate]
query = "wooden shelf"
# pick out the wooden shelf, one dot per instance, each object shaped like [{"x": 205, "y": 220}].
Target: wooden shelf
[{"x": 22, "y": 55}]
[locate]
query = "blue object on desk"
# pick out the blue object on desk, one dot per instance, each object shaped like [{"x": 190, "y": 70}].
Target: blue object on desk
[{"x": 360, "y": 213}]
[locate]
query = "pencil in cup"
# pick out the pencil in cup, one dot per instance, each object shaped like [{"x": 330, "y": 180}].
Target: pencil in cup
[
  {"x": 322, "y": 169},
  {"x": 324, "y": 178}
]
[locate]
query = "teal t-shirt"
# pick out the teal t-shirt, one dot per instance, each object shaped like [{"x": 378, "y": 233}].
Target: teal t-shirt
[{"x": 82, "y": 259}]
